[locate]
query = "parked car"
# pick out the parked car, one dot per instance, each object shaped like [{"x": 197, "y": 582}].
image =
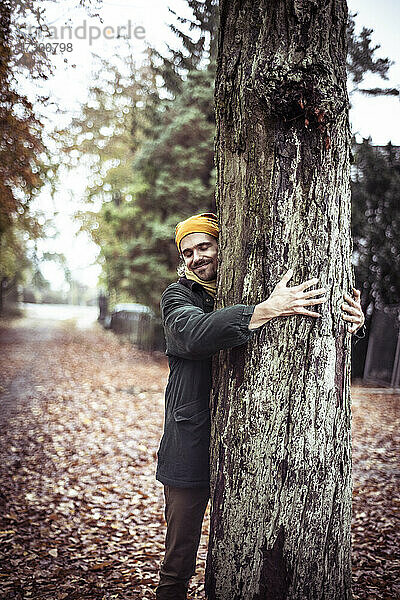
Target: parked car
[{"x": 138, "y": 323}]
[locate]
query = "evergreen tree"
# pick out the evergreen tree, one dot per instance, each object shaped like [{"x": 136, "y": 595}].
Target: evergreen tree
[
  {"x": 111, "y": 127},
  {"x": 195, "y": 55},
  {"x": 361, "y": 60},
  {"x": 376, "y": 223},
  {"x": 154, "y": 167}
]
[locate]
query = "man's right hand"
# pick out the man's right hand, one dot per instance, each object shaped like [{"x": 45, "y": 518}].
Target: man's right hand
[{"x": 285, "y": 301}]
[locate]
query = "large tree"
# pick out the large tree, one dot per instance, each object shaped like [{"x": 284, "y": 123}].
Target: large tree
[{"x": 281, "y": 434}]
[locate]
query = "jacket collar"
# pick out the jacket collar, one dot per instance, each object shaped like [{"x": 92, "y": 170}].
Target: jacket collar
[
  {"x": 190, "y": 284},
  {"x": 193, "y": 285}
]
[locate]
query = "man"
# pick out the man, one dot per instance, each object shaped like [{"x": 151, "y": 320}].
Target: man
[{"x": 193, "y": 333}]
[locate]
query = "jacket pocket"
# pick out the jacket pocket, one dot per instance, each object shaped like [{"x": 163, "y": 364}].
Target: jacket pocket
[
  {"x": 193, "y": 427},
  {"x": 190, "y": 412}
]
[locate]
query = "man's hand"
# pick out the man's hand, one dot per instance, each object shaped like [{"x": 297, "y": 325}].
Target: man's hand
[
  {"x": 285, "y": 301},
  {"x": 353, "y": 312}
]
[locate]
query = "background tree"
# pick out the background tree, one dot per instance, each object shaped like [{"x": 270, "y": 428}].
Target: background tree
[
  {"x": 376, "y": 224},
  {"x": 153, "y": 165},
  {"x": 149, "y": 165},
  {"x": 25, "y": 164},
  {"x": 375, "y": 230},
  {"x": 20, "y": 162},
  {"x": 361, "y": 59},
  {"x": 110, "y": 131},
  {"x": 281, "y": 433}
]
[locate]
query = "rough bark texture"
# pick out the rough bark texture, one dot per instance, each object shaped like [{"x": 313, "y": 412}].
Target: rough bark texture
[{"x": 281, "y": 438}]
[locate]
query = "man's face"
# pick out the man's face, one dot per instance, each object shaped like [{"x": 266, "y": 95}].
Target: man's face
[{"x": 200, "y": 253}]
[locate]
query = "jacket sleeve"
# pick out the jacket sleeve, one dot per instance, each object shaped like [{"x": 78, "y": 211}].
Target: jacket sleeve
[{"x": 198, "y": 334}]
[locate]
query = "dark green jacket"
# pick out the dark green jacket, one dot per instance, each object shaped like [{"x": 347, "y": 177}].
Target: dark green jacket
[{"x": 193, "y": 333}]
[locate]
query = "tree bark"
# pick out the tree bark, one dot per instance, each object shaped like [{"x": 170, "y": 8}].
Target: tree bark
[{"x": 281, "y": 434}]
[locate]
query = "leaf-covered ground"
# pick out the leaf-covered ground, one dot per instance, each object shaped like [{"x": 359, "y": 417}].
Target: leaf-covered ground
[{"x": 81, "y": 514}]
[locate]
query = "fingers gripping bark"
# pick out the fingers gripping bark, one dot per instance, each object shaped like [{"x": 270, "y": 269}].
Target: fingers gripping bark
[
  {"x": 294, "y": 300},
  {"x": 286, "y": 301},
  {"x": 352, "y": 311}
]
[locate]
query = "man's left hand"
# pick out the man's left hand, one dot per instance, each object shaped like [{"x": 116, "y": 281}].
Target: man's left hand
[{"x": 352, "y": 311}]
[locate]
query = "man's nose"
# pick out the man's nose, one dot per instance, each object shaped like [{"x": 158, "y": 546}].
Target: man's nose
[{"x": 196, "y": 256}]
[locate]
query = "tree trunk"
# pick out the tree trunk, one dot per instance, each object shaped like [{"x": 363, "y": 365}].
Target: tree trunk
[{"x": 281, "y": 434}]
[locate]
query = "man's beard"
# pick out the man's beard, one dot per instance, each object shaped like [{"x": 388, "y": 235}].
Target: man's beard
[{"x": 202, "y": 274}]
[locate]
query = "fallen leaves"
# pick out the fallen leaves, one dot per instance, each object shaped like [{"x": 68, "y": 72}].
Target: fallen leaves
[
  {"x": 376, "y": 475},
  {"x": 77, "y": 468},
  {"x": 81, "y": 512}
]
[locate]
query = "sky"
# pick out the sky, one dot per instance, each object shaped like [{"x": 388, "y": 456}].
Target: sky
[{"x": 148, "y": 22}]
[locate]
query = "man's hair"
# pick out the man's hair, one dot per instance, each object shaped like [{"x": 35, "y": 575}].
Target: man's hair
[{"x": 181, "y": 267}]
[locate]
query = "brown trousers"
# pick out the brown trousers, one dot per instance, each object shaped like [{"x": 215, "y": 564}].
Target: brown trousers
[{"x": 184, "y": 512}]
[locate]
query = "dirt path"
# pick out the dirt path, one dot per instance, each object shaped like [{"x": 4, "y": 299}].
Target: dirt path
[
  {"x": 82, "y": 515},
  {"x": 21, "y": 344}
]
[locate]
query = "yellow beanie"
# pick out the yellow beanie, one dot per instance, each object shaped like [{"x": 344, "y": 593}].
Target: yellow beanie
[{"x": 201, "y": 223}]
